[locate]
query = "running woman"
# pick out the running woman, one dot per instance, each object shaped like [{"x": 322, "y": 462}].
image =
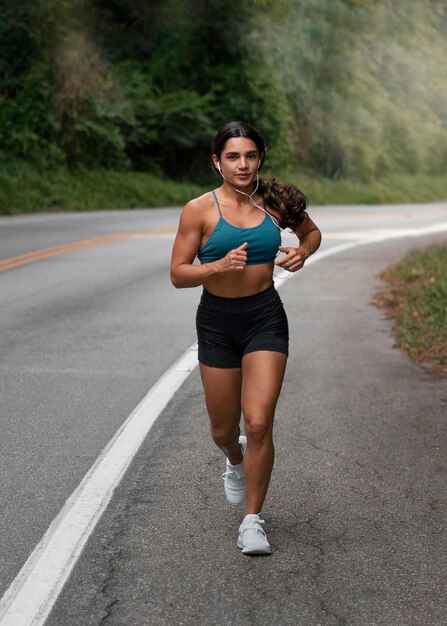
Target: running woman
[{"x": 235, "y": 232}]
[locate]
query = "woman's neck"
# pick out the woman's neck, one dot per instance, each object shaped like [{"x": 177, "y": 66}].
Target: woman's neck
[{"x": 238, "y": 196}]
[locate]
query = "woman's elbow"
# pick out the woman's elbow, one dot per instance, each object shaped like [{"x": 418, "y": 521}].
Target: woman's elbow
[{"x": 175, "y": 279}]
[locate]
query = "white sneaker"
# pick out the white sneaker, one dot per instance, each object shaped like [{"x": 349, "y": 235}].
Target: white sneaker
[
  {"x": 252, "y": 538},
  {"x": 234, "y": 478}
]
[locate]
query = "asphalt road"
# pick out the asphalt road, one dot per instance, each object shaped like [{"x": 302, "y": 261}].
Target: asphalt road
[{"x": 356, "y": 510}]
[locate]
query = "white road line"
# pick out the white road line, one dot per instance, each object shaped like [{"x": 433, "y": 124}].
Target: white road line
[
  {"x": 32, "y": 594},
  {"x": 34, "y": 591}
]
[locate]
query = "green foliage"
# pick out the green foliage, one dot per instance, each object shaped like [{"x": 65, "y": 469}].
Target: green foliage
[
  {"x": 25, "y": 122},
  {"x": 23, "y": 189},
  {"x": 364, "y": 85},
  {"x": 163, "y": 129},
  {"x": 201, "y": 74},
  {"x": 419, "y": 284},
  {"x": 391, "y": 188},
  {"x": 344, "y": 89}
]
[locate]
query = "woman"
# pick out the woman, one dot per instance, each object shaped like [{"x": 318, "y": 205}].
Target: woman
[{"x": 241, "y": 324}]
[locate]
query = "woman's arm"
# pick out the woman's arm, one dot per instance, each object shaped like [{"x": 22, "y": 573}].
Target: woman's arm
[
  {"x": 184, "y": 273},
  {"x": 309, "y": 236}
]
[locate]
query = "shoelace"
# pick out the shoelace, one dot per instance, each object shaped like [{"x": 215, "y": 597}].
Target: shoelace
[
  {"x": 254, "y": 524},
  {"x": 229, "y": 474}
]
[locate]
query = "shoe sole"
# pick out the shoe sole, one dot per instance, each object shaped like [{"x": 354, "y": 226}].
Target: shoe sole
[{"x": 259, "y": 551}]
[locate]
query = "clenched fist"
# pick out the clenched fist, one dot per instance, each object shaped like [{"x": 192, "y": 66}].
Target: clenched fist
[{"x": 235, "y": 260}]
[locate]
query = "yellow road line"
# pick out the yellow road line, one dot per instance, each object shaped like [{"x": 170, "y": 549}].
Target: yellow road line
[{"x": 46, "y": 253}]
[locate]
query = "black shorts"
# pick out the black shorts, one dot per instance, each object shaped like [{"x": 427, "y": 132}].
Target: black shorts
[{"x": 229, "y": 328}]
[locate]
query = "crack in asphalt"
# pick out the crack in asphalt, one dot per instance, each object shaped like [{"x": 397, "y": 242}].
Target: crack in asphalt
[{"x": 120, "y": 526}]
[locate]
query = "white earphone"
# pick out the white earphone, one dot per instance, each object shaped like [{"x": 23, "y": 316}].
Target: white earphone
[{"x": 250, "y": 196}]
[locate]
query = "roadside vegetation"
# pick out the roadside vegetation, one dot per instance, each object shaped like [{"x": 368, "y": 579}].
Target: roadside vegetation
[
  {"x": 114, "y": 103},
  {"x": 417, "y": 300},
  {"x": 23, "y": 189}
]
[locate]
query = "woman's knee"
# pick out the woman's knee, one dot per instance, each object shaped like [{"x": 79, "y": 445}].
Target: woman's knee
[
  {"x": 223, "y": 435},
  {"x": 258, "y": 430}
]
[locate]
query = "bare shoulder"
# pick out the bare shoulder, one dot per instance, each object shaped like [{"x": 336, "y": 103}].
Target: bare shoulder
[
  {"x": 201, "y": 203},
  {"x": 198, "y": 208}
]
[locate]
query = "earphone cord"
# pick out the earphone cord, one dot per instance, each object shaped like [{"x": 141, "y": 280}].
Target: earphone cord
[
  {"x": 250, "y": 197},
  {"x": 274, "y": 220}
]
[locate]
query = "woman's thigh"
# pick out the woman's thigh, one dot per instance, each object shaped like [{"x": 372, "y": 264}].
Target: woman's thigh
[
  {"x": 262, "y": 377},
  {"x": 222, "y": 387}
]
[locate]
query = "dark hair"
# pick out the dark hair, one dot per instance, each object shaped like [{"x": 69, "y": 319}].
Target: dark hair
[
  {"x": 287, "y": 200},
  {"x": 238, "y": 129}
]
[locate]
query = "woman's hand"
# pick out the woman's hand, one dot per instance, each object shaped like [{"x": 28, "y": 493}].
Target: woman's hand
[
  {"x": 235, "y": 260},
  {"x": 293, "y": 260}
]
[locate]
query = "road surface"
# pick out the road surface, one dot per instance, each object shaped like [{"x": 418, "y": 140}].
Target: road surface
[{"x": 356, "y": 509}]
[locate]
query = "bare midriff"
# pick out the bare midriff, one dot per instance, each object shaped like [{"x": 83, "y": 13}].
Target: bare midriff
[{"x": 252, "y": 279}]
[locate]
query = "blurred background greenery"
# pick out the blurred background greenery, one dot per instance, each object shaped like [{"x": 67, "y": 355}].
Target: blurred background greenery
[{"x": 110, "y": 103}]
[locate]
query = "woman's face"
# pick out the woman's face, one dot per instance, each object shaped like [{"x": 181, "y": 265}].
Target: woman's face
[{"x": 239, "y": 161}]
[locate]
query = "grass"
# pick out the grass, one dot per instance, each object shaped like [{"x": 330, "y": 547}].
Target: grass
[
  {"x": 25, "y": 189},
  {"x": 417, "y": 300},
  {"x": 395, "y": 188}
]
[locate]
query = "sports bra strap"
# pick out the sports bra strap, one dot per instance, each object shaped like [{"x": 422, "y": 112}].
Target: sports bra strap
[{"x": 217, "y": 202}]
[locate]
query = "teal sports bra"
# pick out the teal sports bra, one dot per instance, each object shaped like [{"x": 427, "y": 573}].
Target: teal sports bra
[{"x": 263, "y": 240}]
